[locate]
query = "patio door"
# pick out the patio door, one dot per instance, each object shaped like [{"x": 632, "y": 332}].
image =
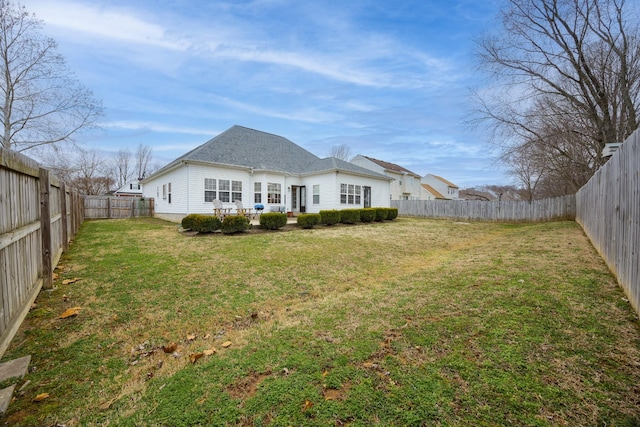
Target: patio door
[
  {"x": 298, "y": 198},
  {"x": 367, "y": 196}
]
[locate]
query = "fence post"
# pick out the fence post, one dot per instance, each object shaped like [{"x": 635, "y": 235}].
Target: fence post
[
  {"x": 63, "y": 213},
  {"x": 45, "y": 229}
]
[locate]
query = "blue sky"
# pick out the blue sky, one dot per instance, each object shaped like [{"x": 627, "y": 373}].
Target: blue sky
[{"x": 390, "y": 79}]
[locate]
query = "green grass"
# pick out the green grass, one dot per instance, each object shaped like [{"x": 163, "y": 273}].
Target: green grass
[{"x": 403, "y": 323}]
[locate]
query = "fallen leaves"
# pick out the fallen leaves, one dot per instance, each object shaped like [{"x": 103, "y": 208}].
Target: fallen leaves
[
  {"x": 70, "y": 281},
  {"x": 170, "y": 348},
  {"x": 227, "y": 344},
  {"x": 194, "y": 357},
  {"x": 73, "y": 311},
  {"x": 41, "y": 397}
]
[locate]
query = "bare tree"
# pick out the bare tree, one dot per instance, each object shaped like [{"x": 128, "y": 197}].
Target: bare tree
[
  {"x": 143, "y": 159},
  {"x": 85, "y": 171},
  {"x": 122, "y": 171},
  {"x": 342, "y": 152},
  {"x": 41, "y": 102},
  {"x": 568, "y": 82},
  {"x": 91, "y": 177}
]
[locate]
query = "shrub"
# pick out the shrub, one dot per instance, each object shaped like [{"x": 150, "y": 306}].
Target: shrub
[
  {"x": 393, "y": 213},
  {"x": 330, "y": 217},
  {"x": 273, "y": 220},
  {"x": 189, "y": 221},
  {"x": 308, "y": 220},
  {"x": 367, "y": 215},
  {"x": 207, "y": 223},
  {"x": 350, "y": 216},
  {"x": 235, "y": 224},
  {"x": 381, "y": 214}
]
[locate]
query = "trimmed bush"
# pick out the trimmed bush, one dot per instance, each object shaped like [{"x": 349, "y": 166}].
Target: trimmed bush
[
  {"x": 189, "y": 221},
  {"x": 207, "y": 223},
  {"x": 368, "y": 214},
  {"x": 201, "y": 223},
  {"x": 393, "y": 213},
  {"x": 330, "y": 217},
  {"x": 381, "y": 214},
  {"x": 308, "y": 220},
  {"x": 235, "y": 224},
  {"x": 350, "y": 216},
  {"x": 273, "y": 220}
]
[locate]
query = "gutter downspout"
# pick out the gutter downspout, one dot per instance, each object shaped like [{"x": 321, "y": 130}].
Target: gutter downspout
[{"x": 188, "y": 182}]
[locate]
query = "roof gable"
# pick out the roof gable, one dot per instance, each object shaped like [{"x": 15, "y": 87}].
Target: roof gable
[
  {"x": 433, "y": 191},
  {"x": 391, "y": 166},
  {"x": 244, "y": 147},
  {"x": 447, "y": 183},
  {"x": 247, "y": 148}
]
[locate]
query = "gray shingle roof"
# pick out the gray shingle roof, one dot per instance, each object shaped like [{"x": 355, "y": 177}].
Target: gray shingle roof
[
  {"x": 244, "y": 147},
  {"x": 240, "y": 146}
]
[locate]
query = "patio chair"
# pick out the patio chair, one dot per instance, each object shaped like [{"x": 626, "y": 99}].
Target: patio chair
[
  {"x": 219, "y": 210},
  {"x": 242, "y": 211}
]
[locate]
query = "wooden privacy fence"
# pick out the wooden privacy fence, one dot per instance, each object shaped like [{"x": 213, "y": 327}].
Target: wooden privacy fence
[
  {"x": 38, "y": 219},
  {"x": 555, "y": 209},
  {"x": 608, "y": 209},
  {"x": 117, "y": 207}
]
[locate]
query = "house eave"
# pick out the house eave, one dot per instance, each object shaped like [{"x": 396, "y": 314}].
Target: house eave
[{"x": 347, "y": 172}]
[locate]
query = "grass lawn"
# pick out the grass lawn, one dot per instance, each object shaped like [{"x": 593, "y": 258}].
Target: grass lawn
[{"x": 404, "y": 323}]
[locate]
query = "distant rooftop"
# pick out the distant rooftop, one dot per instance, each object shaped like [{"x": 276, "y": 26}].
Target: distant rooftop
[{"x": 391, "y": 166}]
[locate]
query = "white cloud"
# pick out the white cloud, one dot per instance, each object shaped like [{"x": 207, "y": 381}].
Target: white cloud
[
  {"x": 96, "y": 21},
  {"x": 308, "y": 115},
  {"x": 156, "y": 127}
]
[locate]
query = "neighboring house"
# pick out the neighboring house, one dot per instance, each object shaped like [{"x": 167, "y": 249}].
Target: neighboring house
[
  {"x": 130, "y": 189},
  {"x": 437, "y": 188},
  {"x": 405, "y": 184},
  {"x": 261, "y": 168}
]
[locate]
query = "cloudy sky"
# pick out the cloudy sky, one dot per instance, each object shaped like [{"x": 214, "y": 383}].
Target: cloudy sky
[{"x": 390, "y": 79}]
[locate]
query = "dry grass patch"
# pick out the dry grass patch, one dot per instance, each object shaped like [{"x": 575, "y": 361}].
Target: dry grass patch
[{"x": 409, "y": 322}]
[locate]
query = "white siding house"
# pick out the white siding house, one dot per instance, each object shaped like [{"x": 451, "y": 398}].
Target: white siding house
[
  {"x": 255, "y": 167},
  {"x": 439, "y": 188},
  {"x": 405, "y": 184},
  {"x": 130, "y": 189}
]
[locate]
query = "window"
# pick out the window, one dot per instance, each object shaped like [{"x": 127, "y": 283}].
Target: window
[
  {"x": 223, "y": 190},
  {"x": 157, "y": 192},
  {"x": 350, "y": 194},
  {"x": 257, "y": 192},
  {"x": 236, "y": 191},
  {"x": 274, "y": 193},
  {"x": 316, "y": 194},
  {"x": 134, "y": 186},
  {"x": 164, "y": 191},
  {"x": 169, "y": 192},
  {"x": 209, "y": 189}
]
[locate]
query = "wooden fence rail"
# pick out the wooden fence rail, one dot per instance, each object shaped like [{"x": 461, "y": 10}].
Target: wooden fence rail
[
  {"x": 555, "y": 209},
  {"x": 38, "y": 218},
  {"x": 117, "y": 207},
  {"x": 608, "y": 209}
]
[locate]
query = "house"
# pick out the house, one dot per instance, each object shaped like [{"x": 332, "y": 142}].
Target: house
[
  {"x": 130, "y": 189},
  {"x": 256, "y": 167},
  {"x": 437, "y": 188},
  {"x": 405, "y": 184}
]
